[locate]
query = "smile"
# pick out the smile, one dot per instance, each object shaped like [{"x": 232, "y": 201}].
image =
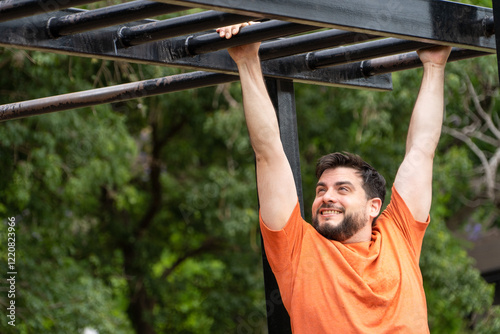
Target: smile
[{"x": 326, "y": 212}]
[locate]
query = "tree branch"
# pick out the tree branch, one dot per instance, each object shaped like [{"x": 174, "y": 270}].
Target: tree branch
[
  {"x": 489, "y": 175},
  {"x": 485, "y": 116},
  {"x": 208, "y": 245}
]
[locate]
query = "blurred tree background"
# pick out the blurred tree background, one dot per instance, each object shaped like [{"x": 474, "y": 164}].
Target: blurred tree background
[{"x": 141, "y": 216}]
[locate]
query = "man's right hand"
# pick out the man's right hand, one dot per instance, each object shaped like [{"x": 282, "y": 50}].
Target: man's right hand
[{"x": 242, "y": 52}]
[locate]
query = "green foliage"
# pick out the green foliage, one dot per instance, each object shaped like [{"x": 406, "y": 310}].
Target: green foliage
[{"x": 148, "y": 200}]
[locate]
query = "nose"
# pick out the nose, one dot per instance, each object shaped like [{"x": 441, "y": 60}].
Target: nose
[{"x": 329, "y": 196}]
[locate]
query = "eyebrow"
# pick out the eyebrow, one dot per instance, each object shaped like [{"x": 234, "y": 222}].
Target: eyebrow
[{"x": 338, "y": 183}]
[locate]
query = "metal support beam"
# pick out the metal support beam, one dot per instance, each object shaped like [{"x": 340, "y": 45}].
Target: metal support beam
[
  {"x": 496, "y": 13},
  {"x": 15, "y": 9},
  {"x": 108, "y": 16},
  {"x": 283, "y": 98},
  {"x": 433, "y": 21},
  {"x": 112, "y": 94}
]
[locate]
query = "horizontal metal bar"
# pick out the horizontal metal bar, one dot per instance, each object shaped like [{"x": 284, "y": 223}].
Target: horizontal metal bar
[
  {"x": 178, "y": 26},
  {"x": 188, "y": 81},
  {"x": 311, "y": 42},
  {"x": 348, "y": 54},
  {"x": 112, "y": 94},
  {"x": 410, "y": 60},
  {"x": 15, "y": 9},
  {"x": 433, "y": 21},
  {"x": 31, "y": 33},
  {"x": 250, "y": 34},
  {"x": 108, "y": 16}
]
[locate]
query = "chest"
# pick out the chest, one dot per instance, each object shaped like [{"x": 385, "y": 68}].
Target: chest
[{"x": 375, "y": 271}]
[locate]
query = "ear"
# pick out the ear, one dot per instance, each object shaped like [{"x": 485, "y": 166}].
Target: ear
[{"x": 374, "y": 207}]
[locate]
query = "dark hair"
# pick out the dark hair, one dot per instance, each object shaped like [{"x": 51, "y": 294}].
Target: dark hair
[{"x": 373, "y": 182}]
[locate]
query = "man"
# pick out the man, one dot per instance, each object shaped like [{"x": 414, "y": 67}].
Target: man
[{"x": 346, "y": 273}]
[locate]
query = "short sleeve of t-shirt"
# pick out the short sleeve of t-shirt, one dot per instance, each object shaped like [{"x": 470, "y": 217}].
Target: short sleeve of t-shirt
[
  {"x": 284, "y": 244},
  {"x": 399, "y": 215}
]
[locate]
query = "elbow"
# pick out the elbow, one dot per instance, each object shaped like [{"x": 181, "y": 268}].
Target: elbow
[
  {"x": 266, "y": 143},
  {"x": 268, "y": 152},
  {"x": 424, "y": 146},
  {"x": 421, "y": 153}
]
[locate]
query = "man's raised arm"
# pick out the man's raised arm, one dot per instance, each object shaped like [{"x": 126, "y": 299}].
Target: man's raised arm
[
  {"x": 275, "y": 183},
  {"x": 414, "y": 178}
]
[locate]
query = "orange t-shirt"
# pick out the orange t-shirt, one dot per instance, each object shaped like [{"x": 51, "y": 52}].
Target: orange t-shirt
[{"x": 367, "y": 287}]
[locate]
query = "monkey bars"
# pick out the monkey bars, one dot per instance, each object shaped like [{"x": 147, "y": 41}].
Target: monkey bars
[{"x": 353, "y": 56}]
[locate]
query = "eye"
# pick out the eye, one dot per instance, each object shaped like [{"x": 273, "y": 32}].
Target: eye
[
  {"x": 344, "y": 189},
  {"x": 320, "y": 191}
]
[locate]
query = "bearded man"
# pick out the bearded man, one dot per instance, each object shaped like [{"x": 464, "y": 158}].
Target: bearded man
[{"x": 352, "y": 271}]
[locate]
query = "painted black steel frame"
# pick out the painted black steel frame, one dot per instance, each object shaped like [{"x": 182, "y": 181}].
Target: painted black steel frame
[{"x": 365, "y": 41}]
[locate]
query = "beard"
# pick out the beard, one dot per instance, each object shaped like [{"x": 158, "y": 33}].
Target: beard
[{"x": 352, "y": 223}]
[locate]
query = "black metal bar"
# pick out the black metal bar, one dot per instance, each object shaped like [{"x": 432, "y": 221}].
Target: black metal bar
[
  {"x": 31, "y": 33},
  {"x": 409, "y": 61},
  {"x": 254, "y": 33},
  {"x": 341, "y": 58},
  {"x": 496, "y": 17},
  {"x": 179, "y": 26},
  {"x": 108, "y": 16},
  {"x": 283, "y": 98},
  {"x": 438, "y": 22},
  {"x": 347, "y": 54},
  {"x": 211, "y": 42},
  {"x": 311, "y": 42},
  {"x": 277, "y": 48},
  {"x": 15, "y": 9},
  {"x": 112, "y": 94}
]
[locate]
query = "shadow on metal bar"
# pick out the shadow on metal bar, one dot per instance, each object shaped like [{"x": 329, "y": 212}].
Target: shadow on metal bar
[{"x": 108, "y": 16}]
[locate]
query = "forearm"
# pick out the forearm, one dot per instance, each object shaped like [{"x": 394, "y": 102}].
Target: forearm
[
  {"x": 276, "y": 187},
  {"x": 414, "y": 178},
  {"x": 427, "y": 117},
  {"x": 275, "y": 183},
  {"x": 259, "y": 111}
]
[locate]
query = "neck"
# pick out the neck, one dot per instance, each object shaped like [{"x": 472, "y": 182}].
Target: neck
[{"x": 363, "y": 235}]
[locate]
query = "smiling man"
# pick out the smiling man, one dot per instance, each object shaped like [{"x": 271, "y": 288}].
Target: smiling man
[
  {"x": 346, "y": 182},
  {"x": 351, "y": 271}
]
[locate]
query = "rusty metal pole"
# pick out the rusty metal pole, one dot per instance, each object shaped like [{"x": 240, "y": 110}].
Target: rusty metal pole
[{"x": 112, "y": 94}]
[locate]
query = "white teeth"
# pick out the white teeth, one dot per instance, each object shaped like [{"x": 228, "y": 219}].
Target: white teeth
[{"x": 330, "y": 212}]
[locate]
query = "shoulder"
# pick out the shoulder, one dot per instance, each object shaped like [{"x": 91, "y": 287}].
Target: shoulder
[{"x": 397, "y": 222}]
